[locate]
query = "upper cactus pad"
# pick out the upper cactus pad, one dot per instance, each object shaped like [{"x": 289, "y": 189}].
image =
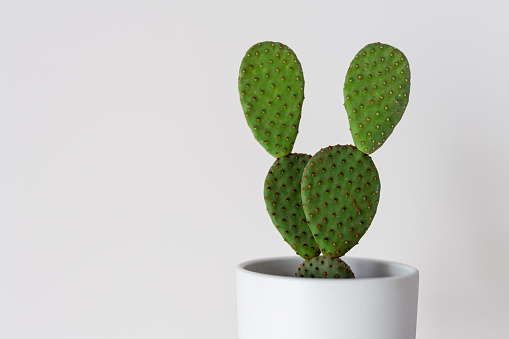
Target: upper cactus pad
[
  {"x": 376, "y": 93},
  {"x": 284, "y": 204},
  {"x": 271, "y": 88},
  {"x": 340, "y": 193}
]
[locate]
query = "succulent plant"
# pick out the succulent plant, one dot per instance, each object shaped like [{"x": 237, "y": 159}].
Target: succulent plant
[{"x": 327, "y": 202}]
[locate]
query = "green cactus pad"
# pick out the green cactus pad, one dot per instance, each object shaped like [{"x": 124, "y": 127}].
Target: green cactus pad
[
  {"x": 340, "y": 193},
  {"x": 284, "y": 204},
  {"x": 271, "y": 88},
  {"x": 376, "y": 93},
  {"x": 324, "y": 267}
]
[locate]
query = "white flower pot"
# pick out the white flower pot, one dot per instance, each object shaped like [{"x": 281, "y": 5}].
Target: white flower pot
[{"x": 381, "y": 303}]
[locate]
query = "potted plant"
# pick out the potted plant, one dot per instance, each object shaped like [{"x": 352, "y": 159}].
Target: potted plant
[{"x": 323, "y": 204}]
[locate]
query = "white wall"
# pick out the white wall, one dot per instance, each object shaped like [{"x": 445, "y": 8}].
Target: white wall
[{"x": 131, "y": 186}]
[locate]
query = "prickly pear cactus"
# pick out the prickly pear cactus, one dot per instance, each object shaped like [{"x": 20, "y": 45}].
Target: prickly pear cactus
[
  {"x": 324, "y": 267},
  {"x": 327, "y": 202},
  {"x": 271, "y": 88},
  {"x": 376, "y": 93},
  {"x": 340, "y": 193},
  {"x": 284, "y": 204}
]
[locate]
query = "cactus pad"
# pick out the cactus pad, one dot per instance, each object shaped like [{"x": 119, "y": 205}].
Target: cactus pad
[
  {"x": 271, "y": 88},
  {"x": 284, "y": 204},
  {"x": 324, "y": 267},
  {"x": 376, "y": 93},
  {"x": 340, "y": 193}
]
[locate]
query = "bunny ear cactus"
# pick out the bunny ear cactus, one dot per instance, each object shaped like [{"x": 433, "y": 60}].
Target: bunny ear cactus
[
  {"x": 376, "y": 93},
  {"x": 271, "y": 88},
  {"x": 327, "y": 202}
]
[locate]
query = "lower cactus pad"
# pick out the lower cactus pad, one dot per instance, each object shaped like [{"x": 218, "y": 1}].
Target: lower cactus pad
[
  {"x": 284, "y": 204},
  {"x": 340, "y": 193},
  {"x": 325, "y": 267}
]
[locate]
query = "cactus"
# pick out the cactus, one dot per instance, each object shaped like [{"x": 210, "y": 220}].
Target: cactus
[
  {"x": 271, "y": 88},
  {"x": 376, "y": 93},
  {"x": 283, "y": 201},
  {"x": 324, "y": 267},
  {"x": 327, "y": 202},
  {"x": 340, "y": 192}
]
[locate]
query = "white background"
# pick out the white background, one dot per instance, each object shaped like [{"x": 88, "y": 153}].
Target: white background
[{"x": 131, "y": 186}]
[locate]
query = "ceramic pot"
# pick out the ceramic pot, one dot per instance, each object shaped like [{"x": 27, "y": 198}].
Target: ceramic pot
[{"x": 380, "y": 303}]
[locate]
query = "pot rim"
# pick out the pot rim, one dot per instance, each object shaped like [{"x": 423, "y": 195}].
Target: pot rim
[{"x": 408, "y": 271}]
